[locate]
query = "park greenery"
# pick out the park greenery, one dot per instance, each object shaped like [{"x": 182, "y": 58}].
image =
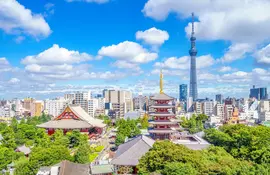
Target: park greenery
[
  {"x": 126, "y": 129},
  {"x": 45, "y": 150},
  {"x": 195, "y": 123},
  {"x": 236, "y": 150}
]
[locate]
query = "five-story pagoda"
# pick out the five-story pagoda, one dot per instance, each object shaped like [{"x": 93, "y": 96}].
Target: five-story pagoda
[{"x": 164, "y": 123}]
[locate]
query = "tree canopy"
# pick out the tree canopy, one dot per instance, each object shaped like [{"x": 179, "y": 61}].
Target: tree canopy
[
  {"x": 169, "y": 158},
  {"x": 243, "y": 142},
  {"x": 126, "y": 128}
]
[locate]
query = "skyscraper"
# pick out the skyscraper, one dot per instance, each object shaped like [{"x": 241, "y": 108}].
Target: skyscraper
[
  {"x": 183, "y": 92},
  {"x": 258, "y": 93},
  {"x": 193, "y": 92},
  {"x": 219, "y": 98}
]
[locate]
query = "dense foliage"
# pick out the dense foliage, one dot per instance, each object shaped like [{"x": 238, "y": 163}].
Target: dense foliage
[
  {"x": 144, "y": 122},
  {"x": 243, "y": 142},
  {"x": 195, "y": 123},
  {"x": 172, "y": 159},
  {"x": 45, "y": 150},
  {"x": 126, "y": 128}
]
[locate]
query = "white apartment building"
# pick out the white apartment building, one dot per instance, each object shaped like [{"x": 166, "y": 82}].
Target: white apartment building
[
  {"x": 228, "y": 111},
  {"x": 198, "y": 107},
  {"x": 219, "y": 111},
  {"x": 81, "y": 98},
  {"x": 92, "y": 106},
  {"x": 70, "y": 96},
  {"x": 55, "y": 107},
  {"x": 121, "y": 101},
  {"x": 208, "y": 107},
  {"x": 101, "y": 103},
  {"x": 264, "y": 116}
]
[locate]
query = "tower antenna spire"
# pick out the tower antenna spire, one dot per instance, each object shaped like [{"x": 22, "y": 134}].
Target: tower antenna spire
[
  {"x": 192, "y": 33},
  {"x": 161, "y": 82}
]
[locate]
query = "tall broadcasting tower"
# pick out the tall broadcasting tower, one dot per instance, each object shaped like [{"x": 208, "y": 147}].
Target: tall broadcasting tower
[{"x": 193, "y": 92}]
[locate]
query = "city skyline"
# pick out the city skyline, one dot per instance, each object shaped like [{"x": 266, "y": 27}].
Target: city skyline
[{"x": 68, "y": 46}]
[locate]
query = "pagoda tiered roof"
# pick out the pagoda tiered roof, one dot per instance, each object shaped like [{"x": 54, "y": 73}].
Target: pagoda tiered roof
[
  {"x": 161, "y": 96},
  {"x": 73, "y": 117},
  {"x": 162, "y": 114},
  {"x": 162, "y": 106}
]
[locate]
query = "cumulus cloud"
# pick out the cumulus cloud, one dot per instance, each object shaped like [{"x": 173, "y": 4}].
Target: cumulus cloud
[
  {"x": 49, "y": 9},
  {"x": 14, "y": 81},
  {"x": 4, "y": 65},
  {"x": 129, "y": 51},
  {"x": 263, "y": 55},
  {"x": 121, "y": 64},
  {"x": 225, "y": 69},
  {"x": 237, "y": 21},
  {"x": 57, "y": 55},
  {"x": 90, "y": 1},
  {"x": 15, "y": 18},
  {"x": 236, "y": 51},
  {"x": 184, "y": 62},
  {"x": 153, "y": 36}
]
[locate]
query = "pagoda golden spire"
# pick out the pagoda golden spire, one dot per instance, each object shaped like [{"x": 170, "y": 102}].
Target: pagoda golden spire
[{"x": 161, "y": 83}]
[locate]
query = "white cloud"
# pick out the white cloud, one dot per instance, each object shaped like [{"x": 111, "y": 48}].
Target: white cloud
[
  {"x": 225, "y": 69},
  {"x": 49, "y": 7},
  {"x": 237, "y": 21},
  {"x": 121, "y": 64},
  {"x": 15, "y": 18},
  {"x": 90, "y": 1},
  {"x": 57, "y": 55},
  {"x": 263, "y": 55},
  {"x": 19, "y": 39},
  {"x": 184, "y": 62},
  {"x": 4, "y": 65},
  {"x": 14, "y": 81},
  {"x": 153, "y": 36},
  {"x": 129, "y": 51},
  {"x": 237, "y": 51}
]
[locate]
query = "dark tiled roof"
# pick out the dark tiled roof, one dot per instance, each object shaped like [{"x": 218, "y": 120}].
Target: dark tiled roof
[
  {"x": 130, "y": 152},
  {"x": 70, "y": 168}
]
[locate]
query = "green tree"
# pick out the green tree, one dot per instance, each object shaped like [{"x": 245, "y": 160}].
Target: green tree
[
  {"x": 144, "y": 122},
  {"x": 82, "y": 154},
  {"x": 178, "y": 168},
  {"x": 58, "y": 138},
  {"x": 120, "y": 138},
  {"x": 6, "y": 156},
  {"x": 8, "y": 138},
  {"x": 23, "y": 167},
  {"x": 14, "y": 124}
]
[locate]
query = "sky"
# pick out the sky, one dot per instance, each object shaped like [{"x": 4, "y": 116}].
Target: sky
[{"x": 52, "y": 47}]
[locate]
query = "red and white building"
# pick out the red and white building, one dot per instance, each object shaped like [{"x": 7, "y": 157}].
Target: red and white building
[{"x": 75, "y": 118}]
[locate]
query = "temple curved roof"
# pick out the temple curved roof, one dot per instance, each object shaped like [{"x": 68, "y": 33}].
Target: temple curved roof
[
  {"x": 73, "y": 117},
  {"x": 161, "y": 96}
]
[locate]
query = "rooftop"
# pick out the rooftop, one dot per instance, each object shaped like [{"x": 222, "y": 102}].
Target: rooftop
[
  {"x": 69, "y": 121},
  {"x": 102, "y": 169},
  {"x": 161, "y": 96},
  {"x": 24, "y": 149},
  {"x": 130, "y": 152}
]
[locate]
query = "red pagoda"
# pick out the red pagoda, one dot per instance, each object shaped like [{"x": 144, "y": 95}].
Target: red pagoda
[
  {"x": 75, "y": 118},
  {"x": 164, "y": 122}
]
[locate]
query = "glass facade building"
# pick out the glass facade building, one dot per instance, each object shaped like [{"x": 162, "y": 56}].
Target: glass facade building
[
  {"x": 258, "y": 93},
  {"x": 183, "y": 92}
]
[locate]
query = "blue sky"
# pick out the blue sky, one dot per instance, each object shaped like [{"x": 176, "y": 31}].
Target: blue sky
[{"x": 53, "y": 47}]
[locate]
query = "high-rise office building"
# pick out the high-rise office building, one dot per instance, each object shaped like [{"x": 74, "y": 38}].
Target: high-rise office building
[
  {"x": 258, "y": 93},
  {"x": 193, "y": 92},
  {"x": 219, "y": 98},
  {"x": 183, "y": 92},
  {"x": 81, "y": 98},
  {"x": 120, "y": 100}
]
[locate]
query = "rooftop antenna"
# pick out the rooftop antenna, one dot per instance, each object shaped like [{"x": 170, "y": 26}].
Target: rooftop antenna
[{"x": 192, "y": 33}]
